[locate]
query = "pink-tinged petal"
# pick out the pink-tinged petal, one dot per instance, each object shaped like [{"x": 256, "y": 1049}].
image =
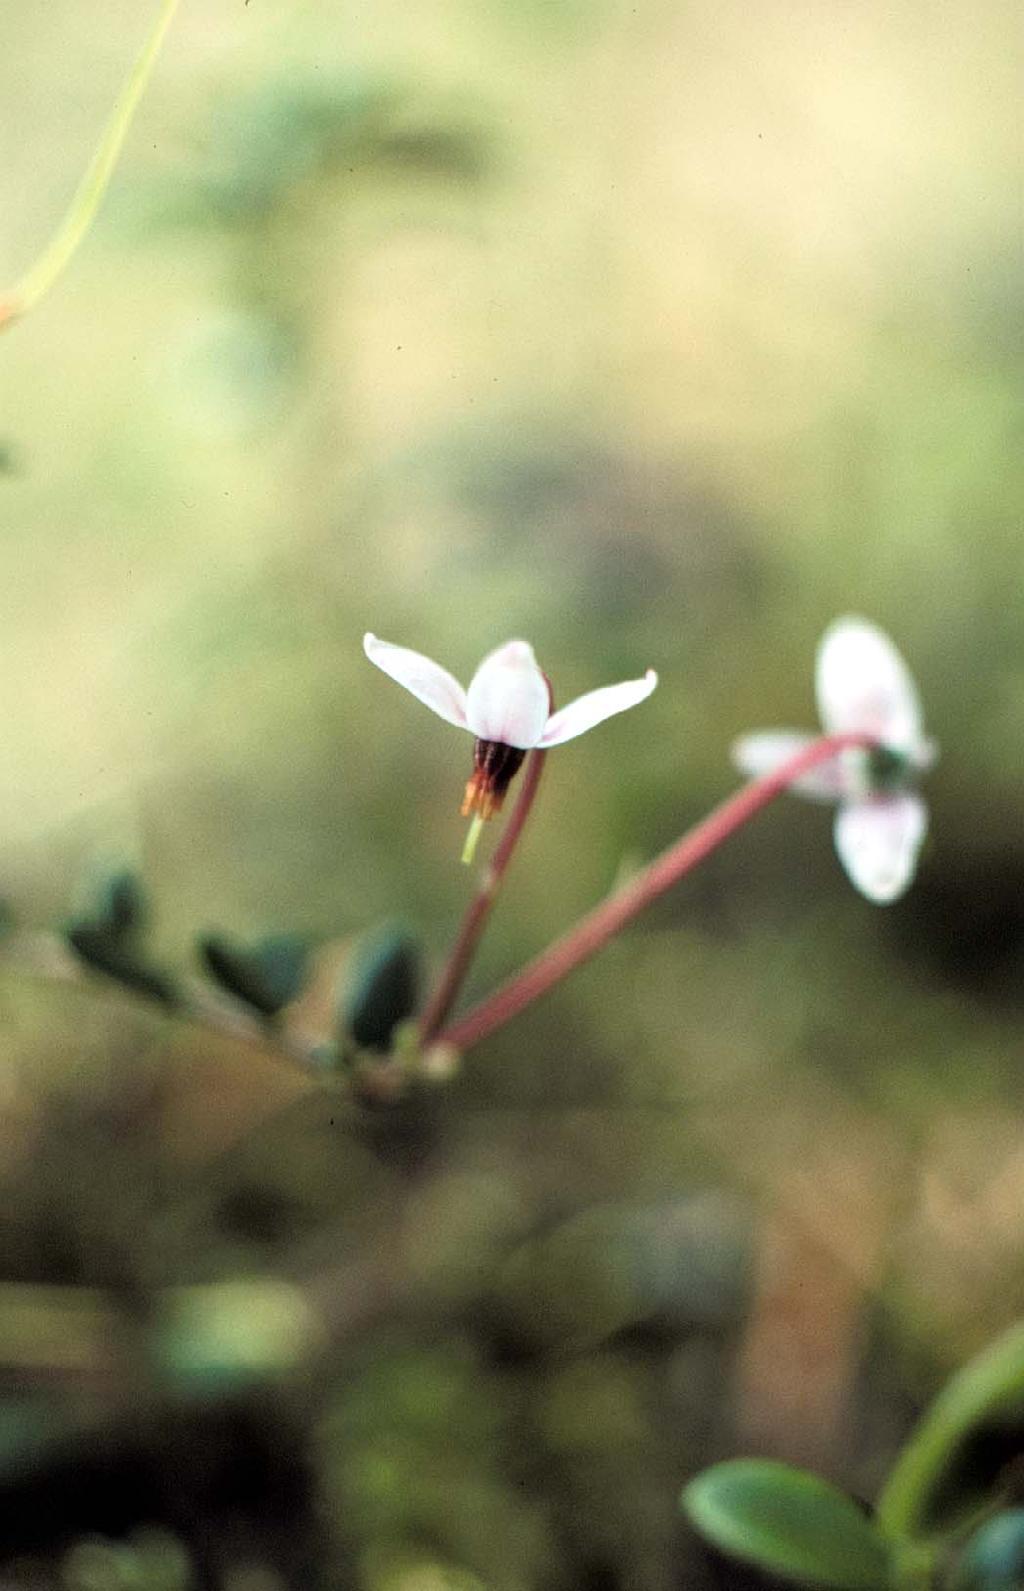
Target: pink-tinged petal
[
  {"x": 878, "y": 841},
  {"x": 595, "y": 707},
  {"x": 864, "y": 686},
  {"x": 767, "y": 749},
  {"x": 428, "y": 682},
  {"x": 508, "y": 697}
]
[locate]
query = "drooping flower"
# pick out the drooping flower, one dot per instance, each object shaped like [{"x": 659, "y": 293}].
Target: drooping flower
[
  {"x": 507, "y": 707},
  {"x": 863, "y": 687}
]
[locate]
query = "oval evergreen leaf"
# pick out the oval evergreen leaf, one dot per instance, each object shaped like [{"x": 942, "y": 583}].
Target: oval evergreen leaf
[
  {"x": 267, "y": 976},
  {"x": 108, "y": 935},
  {"x": 104, "y": 951},
  {"x": 788, "y": 1523},
  {"x": 113, "y": 902},
  {"x": 384, "y": 988},
  {"x": 121, "y": 903}
]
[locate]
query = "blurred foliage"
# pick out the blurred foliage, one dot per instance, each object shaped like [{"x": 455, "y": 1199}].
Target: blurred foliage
[
  {"x": 151, "y": 1560},
  {"x": 660, "y": 336},
  {"x": 287, "y": 134}
]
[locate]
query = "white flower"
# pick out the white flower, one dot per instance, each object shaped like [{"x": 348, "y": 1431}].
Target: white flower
[
  {"x": 507, "y": 707},
  {"x": 863, "y": 687}
]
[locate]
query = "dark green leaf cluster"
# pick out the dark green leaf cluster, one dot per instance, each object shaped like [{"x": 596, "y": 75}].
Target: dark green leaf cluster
[{"x": 378, "y": 989}]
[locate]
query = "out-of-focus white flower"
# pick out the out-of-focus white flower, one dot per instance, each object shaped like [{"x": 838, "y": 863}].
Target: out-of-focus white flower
[
  {"x": 863, "y": 688},
  {"x": 507, "y": 707}
]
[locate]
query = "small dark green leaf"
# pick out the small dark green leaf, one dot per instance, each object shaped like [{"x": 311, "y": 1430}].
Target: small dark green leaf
[
  {"x": 267, "y": 976},
  {"x": 788, "y": 1523},
  {"x": 121, "y": 903},
  {"x": 107, "y": 935},
  {"x": 115, "y": 903},
  {"x": 383, "y": 989},
  {"x": 105, "y": 951},
  {"x": 993, "y": 1559}
]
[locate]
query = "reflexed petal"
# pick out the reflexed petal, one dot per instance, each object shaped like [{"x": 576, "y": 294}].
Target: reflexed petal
[
  {"x": 863, "y": 685},
  {"x": 508, "y": 698},
  {"x": 878, "y": 841},
  {"x": 767, "y": 749},
  {"x": 586, "y": 711},
  {"x": 429, "y": 682}
]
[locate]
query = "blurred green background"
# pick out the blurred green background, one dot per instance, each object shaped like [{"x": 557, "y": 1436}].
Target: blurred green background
[{"x": 660, "y": 335}]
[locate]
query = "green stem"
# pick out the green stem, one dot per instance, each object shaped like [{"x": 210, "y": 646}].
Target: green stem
[
  {"x": 915, "y": 1565},
  {"x": 993, "y": 1380},
  {"x": 40, "y": 277}
]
